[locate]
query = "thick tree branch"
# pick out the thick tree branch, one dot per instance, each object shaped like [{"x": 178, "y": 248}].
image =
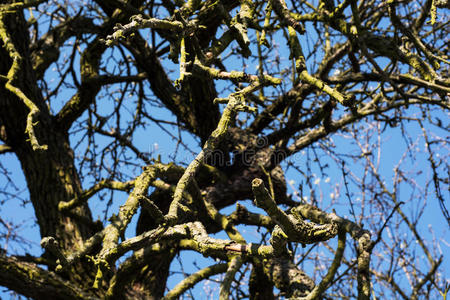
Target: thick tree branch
[
  {"x": 89, "y": 65},
  {"x": 47, "y": 49},
  {"x": 295, "y": 228},
  {"x": 34, "y": 282}
]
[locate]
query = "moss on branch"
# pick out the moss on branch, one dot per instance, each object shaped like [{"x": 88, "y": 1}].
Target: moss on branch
[
  {"x": 295, "y": 228},
  {"x": 86, "y": 195},
  {"x": 138, "y": 22},
  {"x": 12, "y": 76},
  {"x": 194, "y": 278},
  {"x": 233, "y": 266}
]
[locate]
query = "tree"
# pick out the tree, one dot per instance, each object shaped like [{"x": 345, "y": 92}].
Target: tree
[{"x": 271, "y": 97}]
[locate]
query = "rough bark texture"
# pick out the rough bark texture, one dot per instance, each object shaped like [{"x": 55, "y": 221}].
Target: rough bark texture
[
  {"x": 51, "y": 175},
  {"x": 260, "y": 287}
]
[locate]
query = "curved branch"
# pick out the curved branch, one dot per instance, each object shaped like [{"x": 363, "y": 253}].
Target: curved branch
[
  {"x": 89, "y": 65},
  {"x": 295, "y": 228},
  {"x": 194, "y": 278},
  {"x": 326, "y": 281},
  {"x": 46, "y": 50},
  {"x": 86, "y": 195},
  {"x": 233, "y": 266}
]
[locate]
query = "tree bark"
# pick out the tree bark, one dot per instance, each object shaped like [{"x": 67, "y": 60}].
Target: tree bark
[{"x": 50, "y": 174}]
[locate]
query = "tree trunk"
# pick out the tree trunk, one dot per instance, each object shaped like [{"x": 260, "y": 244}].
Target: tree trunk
[{"x": 50, "y": 174}]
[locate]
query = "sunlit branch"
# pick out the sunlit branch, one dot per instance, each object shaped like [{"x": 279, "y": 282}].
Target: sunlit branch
[
  {"x": 235, "y": 103},
  {"x": 183, "y": 63},
  {"x": 14, "y": 7},
  {"x": 358, "y": 234},
  {"x": 138, "y": 22},
  {"x": 400, "y": 78},
  {"x": 320, "y": 288},
  {"x": 86, "y": 195},
  {"x": 12, "y": 75},
  {"x": 295, "y": 228},
  {"x": 242, "y": 216},
  {"x": 268, "y": 10},
  {"x": 223, "y": 222},
  {"x": 413, "y": 38},
  {"x": 300, "y": 65},
  {"x": 191, "y": 236},
  {"x": 5, "y": 149},
  {"x": 233, "y": 266},
  {"x": 50, "y": 244},
  {"x": 238, "y": 75},
  {"x": 279, "y": 6},
  {"x": 194, "y": 278},
  {"x": 120, "y": 222}
]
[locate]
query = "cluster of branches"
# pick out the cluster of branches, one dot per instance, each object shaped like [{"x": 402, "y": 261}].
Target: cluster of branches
[{"x": 84, "y": 87}]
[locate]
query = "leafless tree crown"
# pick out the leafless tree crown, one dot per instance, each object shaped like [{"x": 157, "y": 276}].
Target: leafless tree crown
[{"x": 300, "y": 147}]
